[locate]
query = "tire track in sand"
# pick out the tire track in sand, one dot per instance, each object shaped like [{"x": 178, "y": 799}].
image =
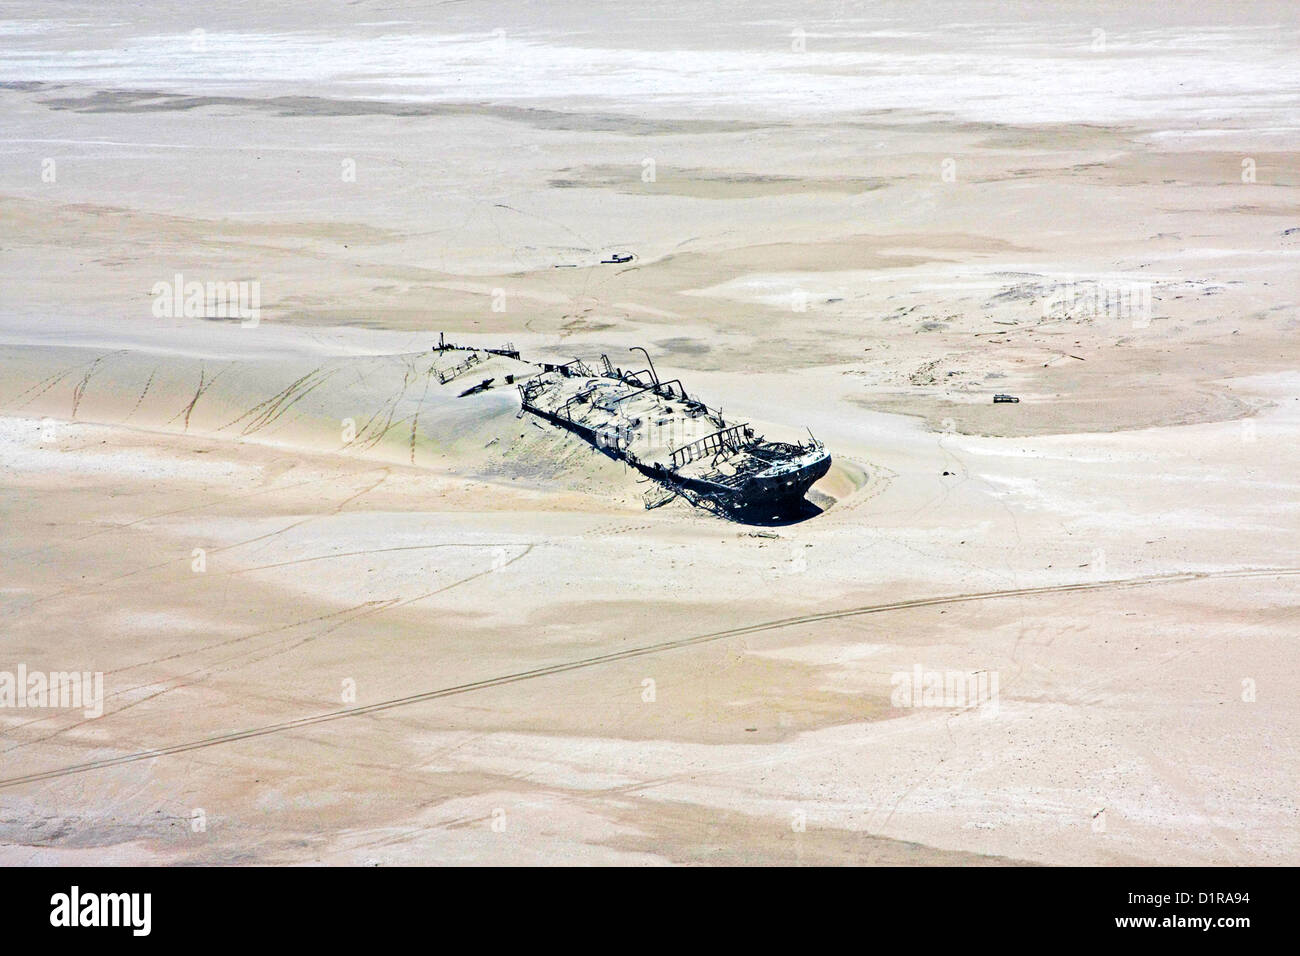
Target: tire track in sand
[{"x": 615, "y": 656}]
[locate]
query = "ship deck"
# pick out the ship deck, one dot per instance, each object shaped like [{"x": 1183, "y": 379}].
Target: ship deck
[{"x": 645, "y": 425}]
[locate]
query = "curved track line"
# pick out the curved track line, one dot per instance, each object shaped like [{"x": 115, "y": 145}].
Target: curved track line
[{"x": 300, "y": 722}]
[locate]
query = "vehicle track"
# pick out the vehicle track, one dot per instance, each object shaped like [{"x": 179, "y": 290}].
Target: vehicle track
[{"x": 644, "y": 650}]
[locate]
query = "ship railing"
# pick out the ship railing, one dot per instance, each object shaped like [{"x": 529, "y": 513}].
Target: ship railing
[
  {"x": 529, "y": 390},
  {"x": 575, "y": 369},
  {"x": 465, "y": 366},
  {"x": 577, "y": 399},
  {"x": 728, "y": 440},
  {"x": 661, "y": 389}
]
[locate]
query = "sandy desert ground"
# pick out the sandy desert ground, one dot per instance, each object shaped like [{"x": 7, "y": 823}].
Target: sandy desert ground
[{"x": 346, "y": 617}]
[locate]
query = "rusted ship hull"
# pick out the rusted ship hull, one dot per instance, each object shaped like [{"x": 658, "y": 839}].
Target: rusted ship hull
[{"x": 781, "y": 493}]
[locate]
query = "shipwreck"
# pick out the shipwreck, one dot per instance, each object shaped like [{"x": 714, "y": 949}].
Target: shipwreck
[{"x": 687, "y": 448}]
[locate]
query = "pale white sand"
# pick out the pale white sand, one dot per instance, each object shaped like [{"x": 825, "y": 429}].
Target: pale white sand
[{"x": 801, "y": 260}]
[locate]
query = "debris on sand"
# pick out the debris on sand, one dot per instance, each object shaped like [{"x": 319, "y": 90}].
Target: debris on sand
[
  {"x": 657, "y": 497},
  {"x": 1000, "y": 399}
]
